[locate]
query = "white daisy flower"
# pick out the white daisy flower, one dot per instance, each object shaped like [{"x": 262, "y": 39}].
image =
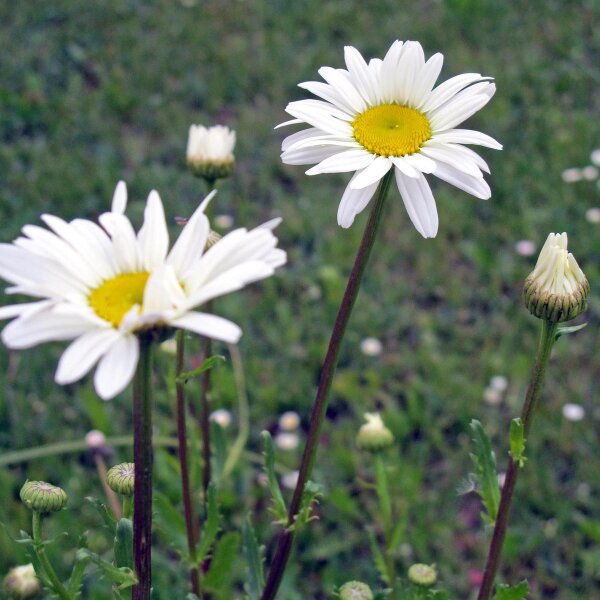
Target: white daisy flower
[
  {"x": 100, "y": 286},
  {"x": 210, "y": 150},
  {"x": 385, "y": 115}
]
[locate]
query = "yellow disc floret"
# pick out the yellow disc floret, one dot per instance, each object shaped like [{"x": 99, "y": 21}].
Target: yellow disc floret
[
  {"x": 391, "y": 130},
  {"x": 113, "y": 298}
]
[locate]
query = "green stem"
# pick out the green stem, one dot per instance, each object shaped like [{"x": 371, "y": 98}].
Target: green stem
[
  {"x": 284, "y": 543},
  {"x": 40, "y": 550},
  {"x": 205, "y": 415},
  {"x": 191, "y": 523},
  {"x": 143, "y": 457},
  {"x": 534, "y": 390},
  {"x": 127, "y": 507},
  {"x": 244, "y": 417},
  {"x": 385, "y": 507}
]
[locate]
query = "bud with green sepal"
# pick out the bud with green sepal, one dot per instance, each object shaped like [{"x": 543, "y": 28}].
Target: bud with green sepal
[
  {"x": 557, "y": 289},
  {"x": 423, "y": 575},
  {"x": 355, "y": 590},
  {"x": 374, "y": 436},
  {"x": 210, "y": 152},
  {"x": 120, "y": 479},
  {"x": 43, "y": 497}
]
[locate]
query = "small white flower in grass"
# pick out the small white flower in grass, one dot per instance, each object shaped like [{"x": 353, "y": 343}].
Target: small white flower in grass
[
  {"x": 592, "y": 215},
  {"x": 289, "y": 421},
  {"x": 525, "y": 247},
  {"x": 222, "y": 417},
  {"x": 572, "y": 175},
  {"x": 573, "y": 412},
  {"x": 224, "y": 221},
  {"x": 589, "y": 173},
  {"x": 100, "y": 286},
  {"x": 210, "y": 151},
  {"x": 371, "y": 346},
  {"x": 595, "y": 157},
  {"x": 499, "y": 383},
  {"x": 286, "y": 440},
  {"x": 95, "y": 439},
  {"x": 384, "y": 115},
  {"x": 289, "y": 480},
  {"x": 492, "y": 396}
]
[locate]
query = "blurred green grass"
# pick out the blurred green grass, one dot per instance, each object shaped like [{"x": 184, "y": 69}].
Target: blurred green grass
[{"x": 96, "y": 92}]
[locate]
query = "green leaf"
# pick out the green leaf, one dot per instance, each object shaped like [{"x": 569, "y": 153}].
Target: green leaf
[
  {"x": 567, "y": 330},
  {"x": 517, "y": 592},
  {"x": 107, "y": 517},
  {"x": 171, "y": 522},
  {"x": 78, "y": 571},
  {"x": 279, "y": 509},
  {"x": 484, "y": 460},
  {"x": 221, "y": 566},
  {"x": 123, "y": 544},
  {"x": 517, "y": 441},
  {"x": 122, "y": 577},
  {"x": 378, "y": 558},
  {"x": 255, "y": 578},
  {"x": 211, "y": 526},
  {"x": 312, "y": 492},
  {"x": 207, "y": 364}
]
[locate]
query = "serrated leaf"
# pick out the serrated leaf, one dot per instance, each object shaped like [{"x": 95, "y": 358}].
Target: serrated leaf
[
  {"x": 171, "y": 522},
  {"x": 517, "y": 592},
  {"x": 311, "y": 494},
  {"x": 255, "y": 578},
  {"x": 378, "y": 558},
  {"x": 484, "y": 460},
  {"x": 225, "y": 554},
  {"x": 207, "y": 364},
  {"x": 78, "y": 571},
  {"x": 107, "y": 517},
  {"x": 517, "y": 441},
  {"x": 567, "y": 330},
  {"x": 210, "y": 527},
  {"x": 122, "y": 577},
  {"x": 279, "y": 509}
]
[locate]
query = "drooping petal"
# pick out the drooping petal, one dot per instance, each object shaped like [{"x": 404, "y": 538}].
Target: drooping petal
[
  {"x": 419, "y": 203},
  {"x": 353, "y": 202},
  {"x": 342, "y": 162},
  {"x": 373, "y": 173},
  {"x": 117, "y": 367},
  {"x": 210, "y": 326},
  {"x": 466, "y": 136},
  {"x": 476, "y": 186}
]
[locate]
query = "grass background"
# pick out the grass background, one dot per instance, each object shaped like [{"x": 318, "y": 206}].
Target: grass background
[{"x": 91, "y": 93}]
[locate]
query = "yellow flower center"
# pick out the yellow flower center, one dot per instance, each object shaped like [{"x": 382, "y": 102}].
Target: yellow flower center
[
  {"x": 113, "y": 298},
  {"x": 391, "y": 130}
]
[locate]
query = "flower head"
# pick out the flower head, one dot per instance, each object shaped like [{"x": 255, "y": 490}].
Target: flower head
[
  {"x": 210, "y": 151},
  {"x": 355, "y": 590},
  {"x": 556, "y": 289},
  {"x": 43, "y": 497},
  {"x": 21, "y": 582},
  {"x": 384, "y": 115},
  {"x": 103, "y": 286},
  {"x": 121, "y": 478},
  {"x": 374, "y": 436},
  {"x": 422, "y": 575}
]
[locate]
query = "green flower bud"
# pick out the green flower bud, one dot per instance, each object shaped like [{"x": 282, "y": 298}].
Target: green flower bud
[
  {"x": 210, "y": 151},
  {"x": 43, "y": 497},
  {"x": 557, "y": 289},
  {"x": 120, "y": 478},
  {"x": 355, "y": 590},
  {"x": 423, "y": 575},
  {"x": 374, "y": 436},
  {"x": 21, "y": 583}
]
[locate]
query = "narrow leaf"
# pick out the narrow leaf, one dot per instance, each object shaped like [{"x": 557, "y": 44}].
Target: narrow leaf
[
  {"x": 517, "y": 592},
  {"x": 279, "y": 508},
  {"x": 255, "y": 579},
  {"x": 517, "y": 441},
  {"x": 221, "y": 566},
  {"x": 211, "y": 526},
  {"x": 207, "y": 364},
  {"x": 567, "y": 330},
  {"x": 120, "y": 576},
  {"x": 78, "y": 571},
  {"x": 378, "y": 558},
  {"x": 484, "y": 460}
]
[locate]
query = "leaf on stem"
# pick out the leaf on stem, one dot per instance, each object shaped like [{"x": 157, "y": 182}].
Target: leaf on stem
[
  {"x": 312, "y": 492},
  {"x": 517, "y": 592},
  {"x": 78, "y": 571},
  {"x": 484, "y": 460},
  {"x": 122, "y": 577},
  {"x": 107, "y": 517},
  {"x": 211, "y": 526},
  {"x": 517, "y": 441},
  {"x": 279, "y": 509},
  {"x": 566, "y": 330},
  {"x": 207, "y": 364},
  {"x": 221, "y": 566},
  {"x": 255, "y": 579}
]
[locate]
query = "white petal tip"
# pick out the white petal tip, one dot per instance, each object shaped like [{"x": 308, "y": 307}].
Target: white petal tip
[{"x": 119, "y": 200}]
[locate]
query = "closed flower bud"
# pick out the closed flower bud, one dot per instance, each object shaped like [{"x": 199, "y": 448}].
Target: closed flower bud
[
  {"x": 21, "y": 583},
  {"x": 557, "y": 289},
  {"x": 120, "y": 479},
  {"x": 423, "y": 575},
  {"x": 43, "y": 497},
  {"x": 374, "y": 436},
  {"x": 210, "y": 151},
  {"x": 355, "y": 590}
]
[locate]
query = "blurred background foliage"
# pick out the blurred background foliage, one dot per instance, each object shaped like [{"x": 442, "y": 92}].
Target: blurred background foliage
[{"x": 94, "y": 92}]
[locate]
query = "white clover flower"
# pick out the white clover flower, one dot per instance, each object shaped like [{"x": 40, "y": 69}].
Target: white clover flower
[
  {"x": 595, "y": 157},
  {"x": 289, "y": 420},
  {"x": 572, "y": 175},
  {"x": 556, "y": 289},
  {"x": 573, "y": 412},
  {"x": 384, "y": 115},
  {"x": 287, "y": 440},
  {"x": 100, "y": 286},
  {"x": 222, "y": 417},
  {"x": 210, "y": 151},
  {"x": 371, "y": 346},
  {"x": 592, "y": 215}
]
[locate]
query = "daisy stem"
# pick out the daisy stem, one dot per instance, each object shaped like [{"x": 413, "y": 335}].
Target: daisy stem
[
  {"x": 286, "y": 537},
  {"x": 191, "y": 523},
  {"x": 142, "y": 456},
  {"x": 205, "y": 413},
  {"x": 534, "y": 389}
]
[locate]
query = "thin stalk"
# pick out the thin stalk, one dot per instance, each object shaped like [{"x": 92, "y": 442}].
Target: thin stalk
[
  {"x": 286, "y": 537},
  {"x": 143, "y": 457},
  {"x": 385, "y": 508},
  {"x": 40, "y": 549},
  {"x": 534, "y": 390},
  {"x": 111, "y": 497},
  {"x": 191, "y": 522},
  {"x": 205, "y": 414}
]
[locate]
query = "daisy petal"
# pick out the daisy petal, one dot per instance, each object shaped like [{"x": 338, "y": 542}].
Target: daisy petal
[
  {"x": 425, "y": 80},
  {"x": 419, "y": 203},
  {"x": 443, "y": 92},
  {"x": 153, "y": 237},
  {"x": 371, "y": 174},
  {"x": 342, "y": 162},
  {"x": 353, "y": 202},
  {"x": 119, "y": 201},
  {"x": 475, "y": 186},
  {"x": 210, "y": 326},
  {"x": 117, "y": 367},
  {"x": 466, "y": 136}
]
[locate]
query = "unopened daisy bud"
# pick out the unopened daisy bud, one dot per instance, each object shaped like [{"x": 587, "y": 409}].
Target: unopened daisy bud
[
  {"x": 355, "y": 590},
  {"x": 557, "y": 289},
  {"x": 120, "y": 479},
  {"x": 210, "y": 151},
  {"x": 374, "y": 436},
  {"x": 43, "y": 497},
  {"x": 423, "y": 575},
  {"x": 212, "y": 239},
  {"x": 21, "y": 582}
]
